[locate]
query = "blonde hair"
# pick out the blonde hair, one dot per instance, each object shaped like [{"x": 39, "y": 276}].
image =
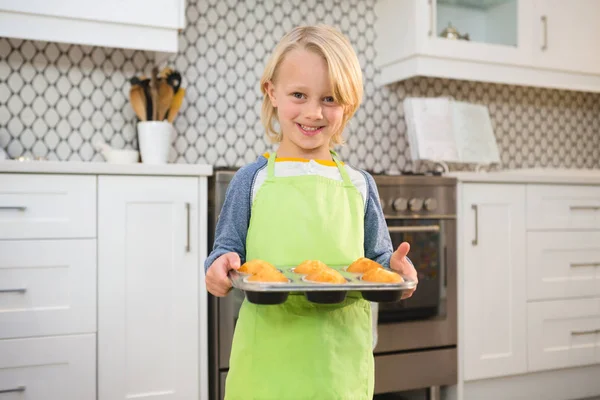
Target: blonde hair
[{"x": 345, "y": 74}]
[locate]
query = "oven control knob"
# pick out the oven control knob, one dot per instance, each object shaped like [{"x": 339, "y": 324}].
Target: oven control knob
[
  {"x": 430, "y": 204},
  {"x": 415, "y": 204},
  {"x": 400, "y": 204}
]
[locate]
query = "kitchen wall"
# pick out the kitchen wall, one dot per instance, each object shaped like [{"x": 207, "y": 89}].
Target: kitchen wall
[{"x": 57, "y": 100}]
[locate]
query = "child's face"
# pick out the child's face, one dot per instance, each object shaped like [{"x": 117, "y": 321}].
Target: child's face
[{"x": 307, "y": 113}]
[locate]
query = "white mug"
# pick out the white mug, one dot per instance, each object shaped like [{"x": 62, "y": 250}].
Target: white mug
[{"x": 155, "y": 138}]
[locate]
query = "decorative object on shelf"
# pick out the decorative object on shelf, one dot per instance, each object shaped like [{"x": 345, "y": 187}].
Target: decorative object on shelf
[
  {"x": 452, "y": 33},
  {"x": 118, "y": 156},
  {"x": 156, "y": 101}
]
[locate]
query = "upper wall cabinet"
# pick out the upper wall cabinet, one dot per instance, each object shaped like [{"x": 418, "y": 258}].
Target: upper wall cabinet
[
  {"x": 517, "y": 42},
  {"x": 132, "y": 24}
]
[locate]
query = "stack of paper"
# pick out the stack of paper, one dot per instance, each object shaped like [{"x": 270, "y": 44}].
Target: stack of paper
[{"x": 441, "y": 129}]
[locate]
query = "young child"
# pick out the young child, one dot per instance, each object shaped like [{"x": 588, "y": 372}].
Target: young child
[{"x": 303, "y": 203}]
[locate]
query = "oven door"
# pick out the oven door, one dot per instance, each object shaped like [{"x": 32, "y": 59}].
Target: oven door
[{"x": 428, "y": 318}]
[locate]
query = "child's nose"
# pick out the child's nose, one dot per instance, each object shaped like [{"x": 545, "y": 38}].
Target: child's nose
[{"x": 314, "y": 110}]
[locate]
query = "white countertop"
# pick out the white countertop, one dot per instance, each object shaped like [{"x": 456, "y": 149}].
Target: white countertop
[
  {"x": 103, "y": 168},
  {"x": 533, "y": 175}
]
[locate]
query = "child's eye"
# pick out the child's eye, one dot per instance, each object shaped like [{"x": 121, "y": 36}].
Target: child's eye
[
  {"x": 329, "y": 99},
  {"x": 298, "y": 95}
]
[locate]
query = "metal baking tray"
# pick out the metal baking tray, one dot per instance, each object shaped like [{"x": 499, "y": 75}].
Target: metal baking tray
[{"x": 324, "y": 293}]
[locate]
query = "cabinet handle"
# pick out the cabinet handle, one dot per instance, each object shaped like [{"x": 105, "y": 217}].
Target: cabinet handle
[
  {"x": 14, "y": 390},
  {"x": 575, "y": 265},
  {"x": 421, "y": 228},
  {"x": 187, "y": 244},
  {"x": 593, "y": 208},
  {"x": 476, "y": 240},
  {"x": 19, "y": 290},
  {"x": 545, "y": 30},
  {"x": 18, "y": 208},
  {"x": 430, "y": 18},
  {"x": 590, "y": 332}
]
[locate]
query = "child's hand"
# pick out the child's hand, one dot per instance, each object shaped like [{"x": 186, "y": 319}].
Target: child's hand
[
  {"x": 398, "y": 262},
  {"x": 217, "y": 281}
]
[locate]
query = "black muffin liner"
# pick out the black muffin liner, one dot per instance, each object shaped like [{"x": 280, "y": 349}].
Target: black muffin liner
[
  {"x": 266, "y": 298},
  {"x": 326, "y": 297}
]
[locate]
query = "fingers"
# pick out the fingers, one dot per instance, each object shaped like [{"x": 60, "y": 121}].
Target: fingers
[
  {"x": 217, "y": 281},
  {"x": 403, "y": 249},
  {"x": 408, "y": 293}
]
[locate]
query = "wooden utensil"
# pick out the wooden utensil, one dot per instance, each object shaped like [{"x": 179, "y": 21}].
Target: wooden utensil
[
  {"x": 154, "y": 93},
  {"x": 138, "y": 101},
  {"x": 176, "y": 104},
  {"x": 165, "y": 98}
]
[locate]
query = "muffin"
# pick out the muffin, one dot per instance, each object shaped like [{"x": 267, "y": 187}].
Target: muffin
[
  {"x": 326, "y": 275},
  {"x": 309, "y": 266},
  {"x": 363, "y": 265},
  {"x": 381, "y": 275},
  {"x": 268, "y": 275},
  {"x": 255, "y": 266}
]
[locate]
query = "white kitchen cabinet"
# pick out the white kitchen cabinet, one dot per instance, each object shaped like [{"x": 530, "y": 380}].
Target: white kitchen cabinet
[
  {"x": 134, "y": 24},
  {"x": 48, "y": 368},
  {"x": 564, "y": 33},
  {"x": 563, "y": 333},
  {"x": 492, "y": 292},
  {"x": 148, "y": 280},
  {"x": 563, "y": 207},
  {"x": 563, "y": 264},
  {"x": 505, "y": 43},
  {"x": 47, "y": 287}
]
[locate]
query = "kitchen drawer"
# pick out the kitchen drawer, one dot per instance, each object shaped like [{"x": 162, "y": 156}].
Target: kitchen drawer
[
  {"x": 47, "y": 206},
  {"x": 51, "y": 368},
  {"x": 563, "y": 207},
  {"x": 563, "y": 264},
  {"x": 563, "y": 333},
  {"x": 47, "y": 287}
]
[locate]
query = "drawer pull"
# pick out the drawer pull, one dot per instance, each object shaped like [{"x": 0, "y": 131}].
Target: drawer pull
[
  {"x": 14, "y": 390},
  {"x": 19, "y": 290},
  {"x": 575, "y": 265},
  {"x": 16, "y": 208},
  {"x": 476, "y": 240},
  {"x": 593, "y": 208},
  {"x": 188, "y": 247},
  {"x": 590, "y": 332},
  {"x": 421, "y": 228}
]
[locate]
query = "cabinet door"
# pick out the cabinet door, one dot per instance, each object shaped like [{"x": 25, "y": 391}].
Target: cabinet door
[
  {"x": 148, "y": 260},
  {"x": 563, "y": 334},
  {"x": 497, "y": 30},
  {"x": 564, "y": 32},
  {"x": 492, "y": 243}
]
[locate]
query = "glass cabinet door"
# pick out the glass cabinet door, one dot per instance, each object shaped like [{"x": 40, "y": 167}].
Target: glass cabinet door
[{"x": 481, "y": 21}]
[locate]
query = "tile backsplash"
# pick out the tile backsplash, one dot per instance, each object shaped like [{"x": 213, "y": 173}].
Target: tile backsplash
[{"x": 57, "y": 100}]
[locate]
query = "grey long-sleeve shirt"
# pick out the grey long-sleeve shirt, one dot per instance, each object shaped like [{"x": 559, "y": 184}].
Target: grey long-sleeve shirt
[{"x": 234, "y": 219}]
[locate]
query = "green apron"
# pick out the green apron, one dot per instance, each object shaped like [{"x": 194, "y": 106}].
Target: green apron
[{"x": 300, "y": 350}]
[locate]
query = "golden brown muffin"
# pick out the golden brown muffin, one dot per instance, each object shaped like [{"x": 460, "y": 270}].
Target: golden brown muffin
[
  {"x": 382, "y": 276},
  {"x": 326, "y": 275},
  {"x": 309, "y": 266},
  {"x": 363, "y": 265},
  {"x": 255, "y": 266},
  {"x": 268, "y": 275}
]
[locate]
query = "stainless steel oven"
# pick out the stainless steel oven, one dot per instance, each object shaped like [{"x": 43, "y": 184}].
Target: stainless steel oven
[{"x": 417, "y": 336}]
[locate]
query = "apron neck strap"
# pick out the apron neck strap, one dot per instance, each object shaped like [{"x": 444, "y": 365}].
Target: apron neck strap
[
  {"x": 340, "y": 166},
  {"x": 342, "y": 169},
  {"x": 271, "y": 166}
]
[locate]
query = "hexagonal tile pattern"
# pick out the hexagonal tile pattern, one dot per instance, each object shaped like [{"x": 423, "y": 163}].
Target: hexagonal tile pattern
[{"x": 56, "y": 100}]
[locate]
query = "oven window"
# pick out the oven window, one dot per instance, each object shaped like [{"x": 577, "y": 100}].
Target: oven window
[{"x": 427, "y": 247}]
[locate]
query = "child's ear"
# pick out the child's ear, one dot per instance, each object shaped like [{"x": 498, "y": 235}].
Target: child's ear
[{"x": 270, "y": 89}]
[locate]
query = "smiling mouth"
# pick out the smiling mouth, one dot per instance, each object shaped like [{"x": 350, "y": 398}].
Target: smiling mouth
[{"x": 309, "y": 130}]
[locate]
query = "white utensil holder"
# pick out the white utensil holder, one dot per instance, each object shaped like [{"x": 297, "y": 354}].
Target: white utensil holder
[{"x": 155, "y": 138}]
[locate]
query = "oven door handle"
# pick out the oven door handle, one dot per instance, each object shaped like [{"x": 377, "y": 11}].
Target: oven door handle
[{"x": 420, "y": 228}]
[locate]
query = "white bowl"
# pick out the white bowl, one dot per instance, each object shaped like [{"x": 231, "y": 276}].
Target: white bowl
[{"x": 121, "y": 156}]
